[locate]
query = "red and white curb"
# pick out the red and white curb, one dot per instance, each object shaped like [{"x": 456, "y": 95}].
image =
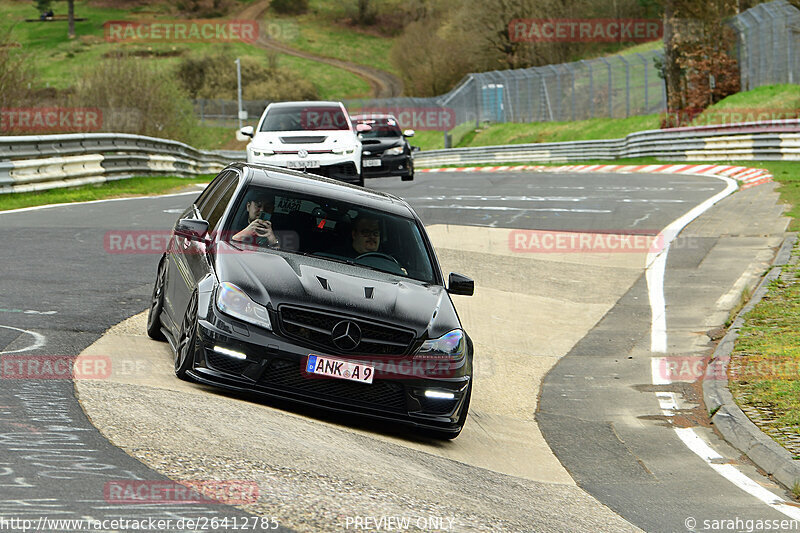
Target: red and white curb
[{"x": 747, "y": 177}]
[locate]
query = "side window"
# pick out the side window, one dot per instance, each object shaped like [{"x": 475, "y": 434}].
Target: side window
[
  {"x": 227, "y": 188},
  {"x": 208, "y": 194},
  {"x": 207, "y": 207}
]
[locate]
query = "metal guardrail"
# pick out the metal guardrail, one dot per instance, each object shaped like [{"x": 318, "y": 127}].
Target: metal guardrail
[
  {"x": 38, "y": 162},
  {"x": 776, "y": 140},
  {"x": 30, "y": 163}
]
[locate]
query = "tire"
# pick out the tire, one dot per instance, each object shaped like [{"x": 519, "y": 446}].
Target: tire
[
  {"x": 184, "y": 352},
  {"x": 410, "y": 177},
  {"x": 157, "y": 303},
  {"x": 462, "y": 419}
]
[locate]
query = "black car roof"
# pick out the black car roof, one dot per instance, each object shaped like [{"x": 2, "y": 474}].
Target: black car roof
[{"x": 283, "y": 178}]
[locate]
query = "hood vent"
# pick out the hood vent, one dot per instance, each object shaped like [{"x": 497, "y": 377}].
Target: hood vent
[
  {"x": 305, "y": 139},
  {"x": 368, "y": 291},
  {"x": 324, "y": 283}
]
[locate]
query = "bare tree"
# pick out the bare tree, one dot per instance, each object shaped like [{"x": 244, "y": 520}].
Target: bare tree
[{"x": 71, "y": 18}]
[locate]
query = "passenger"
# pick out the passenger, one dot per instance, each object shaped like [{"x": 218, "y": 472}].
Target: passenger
[{"x": 259, "y": 231}]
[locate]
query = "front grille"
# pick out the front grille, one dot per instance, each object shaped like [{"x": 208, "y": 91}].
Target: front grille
[
  {"x": 339, "y": 171},
  {"x": 223, "y": 363},
  {"x": 310, "y": 139},
  {"x": 437, "y": 406},
  {"x": 289, "y": 375},
  {"x": 314, "y": 328}
]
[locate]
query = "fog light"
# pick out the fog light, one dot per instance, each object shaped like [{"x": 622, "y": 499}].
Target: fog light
[
  {"x": 439, "y": 395},
  {"x": 229, "y": 353}
]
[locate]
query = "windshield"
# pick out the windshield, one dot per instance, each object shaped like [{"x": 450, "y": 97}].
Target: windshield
[
  {"x": 381, "y": 127},
  {"x": 334, "y": 231},
  {"x": 305, "y": 118}
]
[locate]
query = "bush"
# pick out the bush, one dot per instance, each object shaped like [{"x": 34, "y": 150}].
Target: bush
[
  {"x": 214, "y": 76},
  {"x": 206, "y": 8},
  {"x": 289, "y": 7},
  {"x": 15, "y": 74},
  {"x": 136, "y": 98},
  {"x": 429, "y": 63}
]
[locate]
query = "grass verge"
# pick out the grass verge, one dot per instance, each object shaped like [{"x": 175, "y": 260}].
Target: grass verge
[{"x": 141, "y": 186}]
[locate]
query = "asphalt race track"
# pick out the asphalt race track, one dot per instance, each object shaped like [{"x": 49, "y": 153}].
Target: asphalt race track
[{"x": 588, "y": 451}]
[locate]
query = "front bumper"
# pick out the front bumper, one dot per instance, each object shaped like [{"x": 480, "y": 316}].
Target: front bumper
[
  {"x": 391, "y": 165},
  {"x": 275, "y": 367},
  {"x": 339, "y": 167}
]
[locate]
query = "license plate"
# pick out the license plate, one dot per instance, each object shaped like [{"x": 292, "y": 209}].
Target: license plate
[
  {"x": 302, "y": 164},
  {"x": 372, "y": 162},
  {"x": 339, "y": 368}
]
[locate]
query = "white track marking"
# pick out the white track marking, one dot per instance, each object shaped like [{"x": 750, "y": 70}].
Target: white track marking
[
  {"x": 669, "y": 404},
  {"x": 499, "y": 208},
  {"x": 50, "y": 206},
  {"x": 656, "y": 263},
  {"x": 38, "y": 340}
]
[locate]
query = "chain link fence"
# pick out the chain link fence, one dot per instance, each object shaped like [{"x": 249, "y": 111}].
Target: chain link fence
[{"x": 768, "y": 48}]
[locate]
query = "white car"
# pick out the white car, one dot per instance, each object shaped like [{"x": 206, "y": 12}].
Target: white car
[{"x": 314, "y": 136}]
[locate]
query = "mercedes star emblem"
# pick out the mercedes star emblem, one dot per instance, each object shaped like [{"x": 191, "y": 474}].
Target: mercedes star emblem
[{"x": 346, "y": 335}]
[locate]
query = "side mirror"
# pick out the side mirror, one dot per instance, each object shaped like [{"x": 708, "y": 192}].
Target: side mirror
[
  {"x": 415, "y": 148},
  {"x": 408, "y": 133},
  {"x": 458, "y": 284},
  {"x": 192, "y": 228},
  {"x": 363, "y": 127},
  {"x": 247, "y": 130}
]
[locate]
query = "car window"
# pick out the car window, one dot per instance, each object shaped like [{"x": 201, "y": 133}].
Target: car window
[
  {"x": 209, "y": 193},
  {"x": 226, "y": 190},
  {"x": 305, "y": 118},
  {"x": 337, "y": 231}
]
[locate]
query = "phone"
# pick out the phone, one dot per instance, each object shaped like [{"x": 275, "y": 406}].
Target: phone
[{"x": 266, "y": 216}]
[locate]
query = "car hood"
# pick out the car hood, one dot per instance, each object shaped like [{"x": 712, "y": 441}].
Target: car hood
[
  {"x": 273, "y": 279},
  {"x": 381, "y": 144}
]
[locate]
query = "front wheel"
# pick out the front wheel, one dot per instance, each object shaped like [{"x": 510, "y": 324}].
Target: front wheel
[
  {"x": 184, "y": 352},
  {"x": 157, "y": 303}
]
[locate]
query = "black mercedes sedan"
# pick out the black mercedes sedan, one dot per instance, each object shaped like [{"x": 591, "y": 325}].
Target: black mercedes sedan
[
  {"x": 308, "y": 289},
  {"x": 385, "y": 148}
]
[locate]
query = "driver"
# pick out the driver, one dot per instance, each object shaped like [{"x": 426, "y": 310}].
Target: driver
[{"x": 366, "y": 235}]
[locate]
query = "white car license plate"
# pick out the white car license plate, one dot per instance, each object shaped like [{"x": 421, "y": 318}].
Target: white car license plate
[
  {"x": 372, "y": 162},
  {"x": 302, "y": 164},
  {"x": 338, "y": 368}
]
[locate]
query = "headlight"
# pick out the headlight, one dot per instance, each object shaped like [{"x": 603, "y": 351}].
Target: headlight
[
  {"x": 232, "y": 301},
  {"x": 450, "y": 346},
  {"x": 397, "y": 150},
  {"x": 263, "y": 152},
  {"x": 343, "y": 151}
]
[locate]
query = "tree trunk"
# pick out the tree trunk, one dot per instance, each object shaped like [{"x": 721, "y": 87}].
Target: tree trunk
[
  {"x": 672, "y": 71},
  {"x": 71, "y": 17}
]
